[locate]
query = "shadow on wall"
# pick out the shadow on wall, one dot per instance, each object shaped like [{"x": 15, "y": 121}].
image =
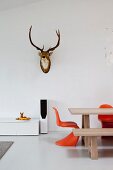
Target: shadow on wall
[
  {"x": 64, "y": 114},
  {"x": 51, "y": 115}
]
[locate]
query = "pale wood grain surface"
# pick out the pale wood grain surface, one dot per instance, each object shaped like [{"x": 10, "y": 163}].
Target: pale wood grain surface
[
  {"x": 93, "y": 132},
  {"x": 87, "y": 111}
]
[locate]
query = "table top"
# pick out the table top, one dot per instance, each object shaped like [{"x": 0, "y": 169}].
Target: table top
[{"x": 87, "y": 111}]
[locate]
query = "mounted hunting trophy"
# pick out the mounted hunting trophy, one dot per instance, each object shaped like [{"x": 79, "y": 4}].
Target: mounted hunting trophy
[{"x": 45, "y": 62}]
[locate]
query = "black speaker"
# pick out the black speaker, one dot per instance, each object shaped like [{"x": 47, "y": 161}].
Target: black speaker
[{"x": 43, "y": 108}]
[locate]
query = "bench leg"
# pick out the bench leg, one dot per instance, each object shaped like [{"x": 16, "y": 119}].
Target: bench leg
[{"x": 93, "y": 147}]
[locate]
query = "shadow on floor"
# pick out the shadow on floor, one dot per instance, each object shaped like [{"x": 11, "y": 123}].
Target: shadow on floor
[
  {"x": 105, "y": 146},
  {"x": 105, "y": 149}
]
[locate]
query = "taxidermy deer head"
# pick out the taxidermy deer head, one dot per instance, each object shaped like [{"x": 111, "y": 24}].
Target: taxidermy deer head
[{"x": 45, "y": 62}]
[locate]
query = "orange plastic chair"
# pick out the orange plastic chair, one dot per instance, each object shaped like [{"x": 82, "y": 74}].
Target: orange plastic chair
[
  {"x": 106, "y": 120},
  {"x": 69, "y": 140}
]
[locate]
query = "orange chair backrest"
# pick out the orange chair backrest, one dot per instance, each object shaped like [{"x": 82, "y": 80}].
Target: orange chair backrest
[
  {"x": 58, "y": 121},
  {"x": 102, "y": 117}
]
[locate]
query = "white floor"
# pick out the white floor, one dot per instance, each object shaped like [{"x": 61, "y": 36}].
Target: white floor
[{"x": 40, "y": 153}]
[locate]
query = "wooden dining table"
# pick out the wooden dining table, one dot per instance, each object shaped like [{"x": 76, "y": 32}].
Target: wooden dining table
[{"x": 86, "y": 112}]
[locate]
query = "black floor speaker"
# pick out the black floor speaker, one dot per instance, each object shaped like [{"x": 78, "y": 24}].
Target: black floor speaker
[
  {"x": 43, "y": 108},
  {"x": 44, "y": 116}
]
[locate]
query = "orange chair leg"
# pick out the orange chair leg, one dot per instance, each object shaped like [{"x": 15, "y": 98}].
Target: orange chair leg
[{"x": 69, "y": 140}]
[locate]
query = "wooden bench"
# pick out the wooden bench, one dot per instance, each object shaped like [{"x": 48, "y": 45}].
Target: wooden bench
[{"x": 92, "y": 134}]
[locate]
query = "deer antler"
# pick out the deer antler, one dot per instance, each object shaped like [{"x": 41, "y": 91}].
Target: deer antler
[
  {"x": 41, "y": 49},
  {"x": 53, "y": 48}
]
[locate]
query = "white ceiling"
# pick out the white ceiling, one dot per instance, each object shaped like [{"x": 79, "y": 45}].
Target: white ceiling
[{"x": 9, "y": 4}]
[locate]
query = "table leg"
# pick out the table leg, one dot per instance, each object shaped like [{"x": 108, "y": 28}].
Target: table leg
[
  {"x": 82, "y": 121},
  {"x": 83, "y": 127},
  {"x": 86, "y": 124}
]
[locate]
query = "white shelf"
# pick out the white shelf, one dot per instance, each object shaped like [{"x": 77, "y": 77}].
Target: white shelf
[{"x": 11, "y": 126}]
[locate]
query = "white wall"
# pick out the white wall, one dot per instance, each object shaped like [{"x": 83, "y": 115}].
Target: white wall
[{"x": 79, "y": 75}]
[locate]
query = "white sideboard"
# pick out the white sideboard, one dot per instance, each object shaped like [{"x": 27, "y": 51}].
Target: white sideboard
[{"x": 12, "y": 126}]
